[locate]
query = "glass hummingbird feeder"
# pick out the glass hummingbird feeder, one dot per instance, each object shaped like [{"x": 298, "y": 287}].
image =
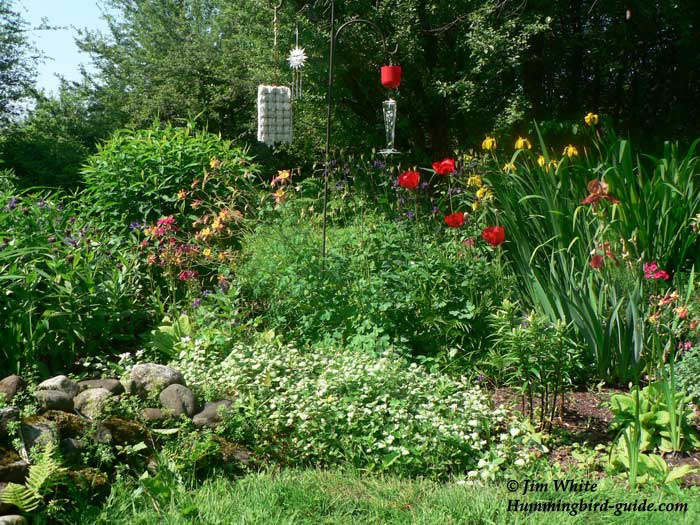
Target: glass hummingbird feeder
[{"x": 391, "y": 79}]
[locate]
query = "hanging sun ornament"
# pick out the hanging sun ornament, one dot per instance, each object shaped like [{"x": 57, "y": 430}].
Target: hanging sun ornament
[{"x": 297, "y": 60}]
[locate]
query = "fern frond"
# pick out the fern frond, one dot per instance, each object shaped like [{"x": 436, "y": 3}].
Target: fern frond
[
  {"x": 42, "y": 475},
  {"x": 21, "y": 497}
]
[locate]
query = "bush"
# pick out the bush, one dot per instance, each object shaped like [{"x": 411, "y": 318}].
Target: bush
[
  {"x": 383, "y": 283},
  {"x": 69, "y": 287},
  {"x": 330, "y": 406},
  {"x": 147, "y": 174}
]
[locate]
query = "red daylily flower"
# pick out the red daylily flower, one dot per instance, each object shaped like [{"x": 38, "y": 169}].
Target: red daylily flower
[
  {"x": 596, "y": 262},
  {"x": 598, "y": 190}
]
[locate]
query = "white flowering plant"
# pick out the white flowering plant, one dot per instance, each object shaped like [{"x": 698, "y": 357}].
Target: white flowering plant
[{"x": 330, "y": 406}]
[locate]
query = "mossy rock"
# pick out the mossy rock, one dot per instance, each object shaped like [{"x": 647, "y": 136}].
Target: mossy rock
[
  {"x": 91, "y": 481},
  {"x": 125, "y": 431}
]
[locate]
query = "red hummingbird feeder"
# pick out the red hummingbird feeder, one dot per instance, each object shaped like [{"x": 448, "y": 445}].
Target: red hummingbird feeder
[
  {"x": 391, "y": 76},
  {"x": 391, "y": 79}
]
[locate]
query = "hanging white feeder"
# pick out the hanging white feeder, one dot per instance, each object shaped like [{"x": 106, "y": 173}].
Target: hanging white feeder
[{"x": 274, "y": 115}]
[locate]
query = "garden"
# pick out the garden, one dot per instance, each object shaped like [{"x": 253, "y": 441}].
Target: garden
[{"x": 501, "y": 324}]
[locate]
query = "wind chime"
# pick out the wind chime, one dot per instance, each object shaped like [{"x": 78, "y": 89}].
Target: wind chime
[{"x": 274, "y": 101}]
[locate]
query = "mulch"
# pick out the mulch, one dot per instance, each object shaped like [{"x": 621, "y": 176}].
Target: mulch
[{"x": 582, "y": 418}]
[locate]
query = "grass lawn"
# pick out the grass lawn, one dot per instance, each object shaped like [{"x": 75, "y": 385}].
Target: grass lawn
[{"x": 340, "y": 497}]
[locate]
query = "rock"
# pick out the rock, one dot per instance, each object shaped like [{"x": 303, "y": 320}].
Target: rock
[
  {"x": 60, "y": 384},
  {"x": 232, "y": 454},
  {"x": 54, "y": 400},
  {"x": 10, "y": 386},
  {"x": 211, "y": 415},
  {"x": 124, "y": 431},
  {"x": 90, "y": 480},
  {"x": 13, "y": 519},
  {"x": 91, "y": 402},
  {"x": 7, "y": 415},
  {"x": 68, "y": 425},
  {"x": 112, "y": 385},
  {"x": 12, "y": 467},
  {"x": 38, "y": 430},
  {"x": 71, "y": 448},
  {"x": 150, "y": 378},
  {"x": 179, "y": 400},
  {"x": 153, "y": 414}
]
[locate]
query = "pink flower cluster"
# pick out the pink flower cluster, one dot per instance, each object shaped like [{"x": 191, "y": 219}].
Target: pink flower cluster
[{"x": 651, "y": 271}]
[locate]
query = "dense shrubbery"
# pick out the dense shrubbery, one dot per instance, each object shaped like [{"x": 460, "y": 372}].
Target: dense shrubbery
[
  {"x": 383, "y": 283},
  {"x": 148, "y": 174},
  {"x": 70, "y": 288}
]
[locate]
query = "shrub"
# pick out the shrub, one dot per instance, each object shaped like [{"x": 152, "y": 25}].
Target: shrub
[
  {"x": 383, "y": 283},
  {"x": 147, "y": 174},
  {"x": 69, "y": 287},
  {"x": 330, "y": 406},
  {"x": 688, "y": 373}
]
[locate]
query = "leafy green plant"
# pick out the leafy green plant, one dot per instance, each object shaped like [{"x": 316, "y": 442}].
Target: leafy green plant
[
  {"x": 688, "y": 373},
  {"x": 331, "y": 405},
  {"x": 70, "y": 287},
  {"x": 44, "y": 474},
  {"x": 164, "y": 170},
  {"x": 644, "y": 423},
  {"x": 538, "y": 358},
  {"x": 382, "y": 284}
]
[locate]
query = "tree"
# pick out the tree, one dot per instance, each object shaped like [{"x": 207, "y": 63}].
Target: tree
[
  {"x": 48, "y": 146},
  {"x": 17, "y": 62},
  {"x": 174, "y": 59}
]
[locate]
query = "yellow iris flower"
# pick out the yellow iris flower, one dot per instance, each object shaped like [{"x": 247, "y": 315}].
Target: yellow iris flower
[{"x": 489, "y": 144}]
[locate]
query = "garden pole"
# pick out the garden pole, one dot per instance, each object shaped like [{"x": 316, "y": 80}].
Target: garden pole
[{"x": 331, "y": 58}]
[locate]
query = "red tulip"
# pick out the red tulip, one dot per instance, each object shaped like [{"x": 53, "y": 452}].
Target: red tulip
[
  {"x": 454, "y": 220},
  {"x": 494, "y": 235},
  {"x": 409, "y": 179},
  {"x": 444, "y": 167}
]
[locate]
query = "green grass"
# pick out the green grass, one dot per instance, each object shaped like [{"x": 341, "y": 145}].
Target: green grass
[{"x": 342, "y": 497}]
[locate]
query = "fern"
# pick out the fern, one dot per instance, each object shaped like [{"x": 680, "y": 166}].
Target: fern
[{"x": 43, "y": 474}]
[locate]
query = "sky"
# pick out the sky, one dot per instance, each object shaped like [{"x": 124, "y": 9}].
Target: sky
[{"x": 63, "y": 56}]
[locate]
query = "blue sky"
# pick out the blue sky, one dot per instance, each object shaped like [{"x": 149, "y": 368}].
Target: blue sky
[{"x": 63, "y": 56}]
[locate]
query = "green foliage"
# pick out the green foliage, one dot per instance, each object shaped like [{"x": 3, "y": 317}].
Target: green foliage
[
  {"x": 688, "y": 373},
  {"x": 50, "y": 144},
  {"x": 70, "y": 287},
  {"x": 137, "y": 175},
  {"x": 646, "y": 421},
  {"x": 659, "y": 199},
  {"x": 654, "y": 415},
  {"x": 539, "y": 358},
  {"x": 382, "y": 284},
  {"x": 583, "y": 262},
  {"x": 43, "y": 475},
  {"x": 171, "y": 60}
]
